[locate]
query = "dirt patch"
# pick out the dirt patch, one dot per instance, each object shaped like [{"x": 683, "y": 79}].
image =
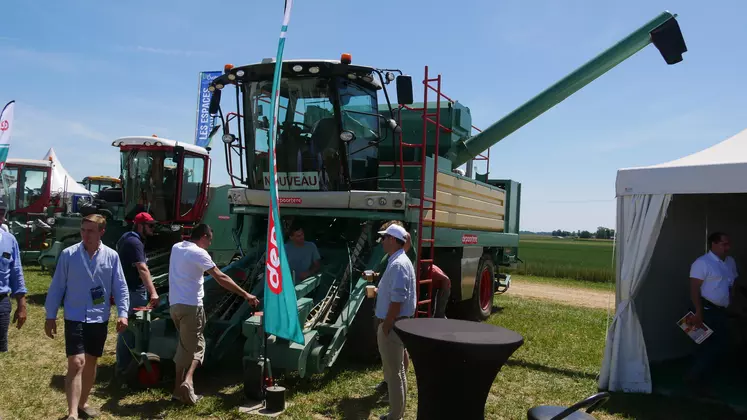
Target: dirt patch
[{"x": 575, "y": 296}]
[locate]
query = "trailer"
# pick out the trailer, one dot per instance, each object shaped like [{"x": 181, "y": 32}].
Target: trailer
[{"x": 348, "y": 160}]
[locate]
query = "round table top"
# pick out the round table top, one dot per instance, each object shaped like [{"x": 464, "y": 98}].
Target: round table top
[{"x": 458, "y": 331}]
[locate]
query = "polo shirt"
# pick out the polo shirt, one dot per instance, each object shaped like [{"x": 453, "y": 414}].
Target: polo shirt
[
  {"x": 718, "y": 275},
  {"x": 131, "y": 251}
]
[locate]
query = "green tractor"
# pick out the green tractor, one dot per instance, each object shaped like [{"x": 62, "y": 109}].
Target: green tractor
[
  {"x": 349, "y": 160},
  {"x": 169, "y": 180}
]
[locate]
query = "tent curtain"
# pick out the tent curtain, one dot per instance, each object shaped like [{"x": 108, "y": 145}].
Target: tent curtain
[{"x": 639, "y": 220}]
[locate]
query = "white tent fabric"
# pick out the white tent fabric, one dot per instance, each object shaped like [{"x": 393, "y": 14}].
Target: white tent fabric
[
  {"x": 639, "y": 220},
  {"x": 653, "y": 255},
  {"x": 721, "y": 168},
  {"x": 61, "y": 179}
]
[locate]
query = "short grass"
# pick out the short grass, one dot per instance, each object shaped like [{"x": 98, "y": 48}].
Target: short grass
[
  {"x": 558, "y": 364},
  {"x": 544, "y": 256}
]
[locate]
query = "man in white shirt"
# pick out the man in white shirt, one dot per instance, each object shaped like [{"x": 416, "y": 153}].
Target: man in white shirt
[
  {"x": 711, "y": 278},
  {"x": 187, "y": 265},
  {"x": 396, "y": 299}
]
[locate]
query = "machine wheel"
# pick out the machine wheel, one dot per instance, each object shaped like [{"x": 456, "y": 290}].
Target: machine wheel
[
  {"x": 138, "y": 376},
  {"x": 481, "y": 305},
  {"x": 254, "y": 382}
]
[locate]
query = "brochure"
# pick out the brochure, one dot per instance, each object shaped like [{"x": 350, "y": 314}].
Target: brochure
[{"x": 697, "y": 334}]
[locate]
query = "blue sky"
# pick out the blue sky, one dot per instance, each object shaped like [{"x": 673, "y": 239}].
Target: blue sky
[{"x": 86, "y": 72}]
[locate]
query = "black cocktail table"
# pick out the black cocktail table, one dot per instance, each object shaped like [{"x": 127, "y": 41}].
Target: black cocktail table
[{"x": 455, "y": 363}]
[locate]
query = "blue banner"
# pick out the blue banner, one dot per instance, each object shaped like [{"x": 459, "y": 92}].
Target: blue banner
[{"x": 204, "y": 120}]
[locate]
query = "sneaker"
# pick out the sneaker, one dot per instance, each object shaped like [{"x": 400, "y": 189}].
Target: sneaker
[{"x": 189, "y": 395}]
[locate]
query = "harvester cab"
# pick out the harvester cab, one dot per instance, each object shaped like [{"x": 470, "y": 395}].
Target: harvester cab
[
  {"x": 97, "y": 184},
  {"x": 350, "y": 158},
  {"x": 27, "y": 191}
]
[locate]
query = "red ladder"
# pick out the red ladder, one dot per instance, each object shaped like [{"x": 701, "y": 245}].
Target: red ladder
[{"x": 423, "y": 265}]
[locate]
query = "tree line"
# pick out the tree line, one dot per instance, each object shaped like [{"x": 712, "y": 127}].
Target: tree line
[{"x": 601, "y": 233}]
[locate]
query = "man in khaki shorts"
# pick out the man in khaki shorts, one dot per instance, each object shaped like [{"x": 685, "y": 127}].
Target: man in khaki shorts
[{"x": 188, "y": 263}]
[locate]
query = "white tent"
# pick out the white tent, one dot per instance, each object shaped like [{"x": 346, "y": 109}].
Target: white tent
[
  {"x": 664, "y": 214},
  {"x": 61, "y": 179}
]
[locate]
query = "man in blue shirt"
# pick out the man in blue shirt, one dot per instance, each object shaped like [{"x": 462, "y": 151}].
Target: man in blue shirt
[
  {"x": 11, "y": 283},
  {"x": 303, "y": 256},
  {"x": 88, "y": 274},
  {"x": 396, "y": 299},
  {"x": 131, "y": 250}
]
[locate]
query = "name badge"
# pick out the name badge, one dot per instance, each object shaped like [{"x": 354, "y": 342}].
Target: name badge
[{"x": 97, "y": 295}]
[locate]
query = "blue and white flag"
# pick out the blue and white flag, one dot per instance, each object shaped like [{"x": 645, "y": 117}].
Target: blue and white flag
[{"x": 204, "y": 120}]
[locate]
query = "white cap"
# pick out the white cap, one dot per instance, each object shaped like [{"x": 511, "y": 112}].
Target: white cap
[{"x": 396, "y": 231}]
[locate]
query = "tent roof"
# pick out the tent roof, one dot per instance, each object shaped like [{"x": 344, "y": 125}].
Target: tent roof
[
  {"x": 61, "y": 178},
  {"x": 721, "y": 168}
]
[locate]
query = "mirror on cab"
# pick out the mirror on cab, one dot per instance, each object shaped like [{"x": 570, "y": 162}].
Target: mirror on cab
[
  {"x": 214, "y": 102},
  {"x": 404, "y": 90},
  {"x": 178, "y": 153}
]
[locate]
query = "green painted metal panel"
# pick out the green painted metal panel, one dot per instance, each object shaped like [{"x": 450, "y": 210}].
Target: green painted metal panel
[
  {"x": 446, "y": 237},
  {"x": 346, "y": 213}
]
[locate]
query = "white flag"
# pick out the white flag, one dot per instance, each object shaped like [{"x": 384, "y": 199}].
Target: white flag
[{"x": 6, "y": 129}]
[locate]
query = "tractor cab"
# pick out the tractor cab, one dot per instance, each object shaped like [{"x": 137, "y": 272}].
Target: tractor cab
[
  {"x": 96, "y": 184},
  {"x": 26, "y": 187},
  {"x": 167, "y": 179},
  {"x": 329, "y": 125}
]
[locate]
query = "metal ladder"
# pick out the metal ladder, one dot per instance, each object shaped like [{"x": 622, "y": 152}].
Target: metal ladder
[{"x": 423, "y": 267}]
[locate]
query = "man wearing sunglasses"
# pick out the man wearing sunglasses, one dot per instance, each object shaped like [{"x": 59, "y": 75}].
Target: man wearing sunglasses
[{"x": 131, "y": 250}]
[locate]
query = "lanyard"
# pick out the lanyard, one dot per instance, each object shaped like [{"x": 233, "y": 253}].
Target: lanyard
[{"x": 86, "y": 263}]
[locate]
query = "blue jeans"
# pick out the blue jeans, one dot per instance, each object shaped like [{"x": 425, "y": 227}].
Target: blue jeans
[
  {"x": 715, "y": 348},
  {"x": 138, "y": 297},
  {"x": 4, "y": 322}
]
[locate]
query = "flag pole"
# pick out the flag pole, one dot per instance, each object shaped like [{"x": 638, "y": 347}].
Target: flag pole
[{"x": 276, "y": 264}]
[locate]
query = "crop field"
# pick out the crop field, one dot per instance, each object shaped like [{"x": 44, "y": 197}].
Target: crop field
[{"x": 579, "y": 259}]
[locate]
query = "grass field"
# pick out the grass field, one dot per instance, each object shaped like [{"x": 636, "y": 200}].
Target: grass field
[
  {"x": 588, "y": 260},
  {"x": 558, "y": 364}
]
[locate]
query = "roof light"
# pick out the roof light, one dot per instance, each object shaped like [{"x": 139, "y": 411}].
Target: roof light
[
  {"x": 240, "y": 73},
  {"x": 297, "y": 68},
  {"x": 211, "y": 88},
  {"x": 314, "y": 70},
  {"x": 219, "y": 86},
  {"x": 158, "y": 143},
  {"x": 231, "y": 76},
  {"x": 368, "y": 78},
  {"x": 346, "y": 58},
  {"x": 227, "y": 67},
  {"x": 114, "y": 143},
  {"x": 352, "y": 76},
  {"x": 146, "y": 143},
  {"x": 154, "y": 135}
]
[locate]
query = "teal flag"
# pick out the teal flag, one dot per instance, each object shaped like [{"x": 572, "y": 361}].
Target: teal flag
[{"x": 280, "y": 312}]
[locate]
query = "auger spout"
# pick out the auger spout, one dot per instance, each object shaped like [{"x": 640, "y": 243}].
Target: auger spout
[{"x": 663, "y": 31}]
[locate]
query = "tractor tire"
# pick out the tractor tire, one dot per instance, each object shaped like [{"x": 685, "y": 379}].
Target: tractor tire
[
  {"x": 138, "y": 376},
  {"x": 254, "y": 382},
  {"x": 481, "y": 304}
]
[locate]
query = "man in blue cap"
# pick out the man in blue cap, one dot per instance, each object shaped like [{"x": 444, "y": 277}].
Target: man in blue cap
[{"x": 11, "y": 282}]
